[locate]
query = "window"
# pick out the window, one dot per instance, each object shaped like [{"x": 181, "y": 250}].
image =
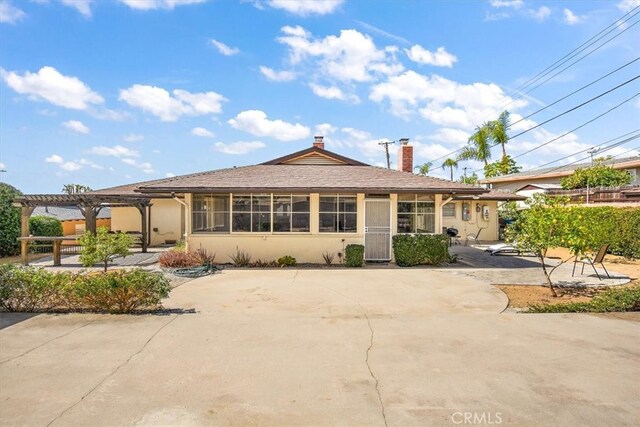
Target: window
[
  {"x": 338, "y": 214},
  {"x": 449, "y": 210},
  {"x": 210, "y": 213},
  {"x": 416, "y": 214},
  {"x": 290, "y": 213},
  {"x": 252, "y": 213}
]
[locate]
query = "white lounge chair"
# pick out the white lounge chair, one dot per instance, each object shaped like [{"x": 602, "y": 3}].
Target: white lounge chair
[{"x": 502, "y": 248}]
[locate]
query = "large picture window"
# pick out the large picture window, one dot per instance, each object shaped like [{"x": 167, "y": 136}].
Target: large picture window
[
  {"x": 210, "y": 213},
  {"x": 252, "y": 213},
  {"x": 290, "y": 213},
  {"x": 338, "y": 214},
  {"x": 416, "y": 214}
]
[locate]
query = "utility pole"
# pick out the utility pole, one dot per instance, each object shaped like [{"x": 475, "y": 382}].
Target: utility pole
[
  {"x": 386, "y": 149},
  {"x": 464, "y": 171},
  {"x": 591, "y": 152}
]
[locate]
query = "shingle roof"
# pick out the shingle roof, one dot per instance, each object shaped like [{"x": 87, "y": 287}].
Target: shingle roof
[
  {"x": 497, "y": 195},
  {"x": 307, "y": 178},
  {"x": 68, "y": 213}
]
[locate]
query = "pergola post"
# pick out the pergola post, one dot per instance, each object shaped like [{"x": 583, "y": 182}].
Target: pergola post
[
  {"x": 142, "y": 208},
  {"x": 26, "y": 212},
  {"x": 90, "y": 219}
]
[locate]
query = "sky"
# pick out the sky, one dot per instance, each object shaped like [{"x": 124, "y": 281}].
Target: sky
[{"x": 103, "y": 93}]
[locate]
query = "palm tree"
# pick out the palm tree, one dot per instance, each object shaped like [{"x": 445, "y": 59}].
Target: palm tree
[
  {"x": 450, "y": 163},
  {"x": 75, "y": 188},
  {"x": 424, "y": 169},
  {"x": 479, "y": 146},
  {"x": 498, "y": 131}
]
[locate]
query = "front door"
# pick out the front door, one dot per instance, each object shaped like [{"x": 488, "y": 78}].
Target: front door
[{"x": 377, "y": 230}]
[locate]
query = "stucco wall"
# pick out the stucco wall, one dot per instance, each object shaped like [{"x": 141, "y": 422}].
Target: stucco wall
[
  {"x": 69, "y": 227},
  {"x": 489, "y": 227},
  {"x": 166, "y": 216}
]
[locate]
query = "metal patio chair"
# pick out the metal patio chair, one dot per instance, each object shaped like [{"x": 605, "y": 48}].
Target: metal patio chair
[{"x": 597, "y": 259}]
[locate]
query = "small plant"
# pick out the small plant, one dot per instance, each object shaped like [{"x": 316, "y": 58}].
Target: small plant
[
  {"x": 328, "y": 257},
  {"x": 103, "y": 247},
  {"x": 265, "y": 263},
  {"x": 180, "y": 246},
  {"x": 623, "y": 299},
  {"x": 354, "y": 255},
  {"x": 204, "y": 256},
  {"x": 178, "y": 259},
  {"x": 240, "y": 258},
  {"x": 287, "y": 261},
  {"x": 410, "y": 250}
]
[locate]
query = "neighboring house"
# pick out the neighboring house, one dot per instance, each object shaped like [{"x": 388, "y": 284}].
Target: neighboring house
[
  {"x": 553, "y": 175},
  {"x": 307, "y": 203},
  {"x": 72, "y": 219},
  {"x": 531, "y": 189}
]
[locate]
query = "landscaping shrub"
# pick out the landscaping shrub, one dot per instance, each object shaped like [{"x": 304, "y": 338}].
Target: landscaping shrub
[
  {"x": 178, "y": 259},
  {"x": 328, "y": 257},
  {"x": 286, "y": 261},
  {"x": 614, "y": 299},
  {"x": 260, "y": 263},
  {"x": 354, "y": 255},
  {"x": 240, "y": 258},
  {"x": 415, "y": 249},
  {"x": 9, "y": 221},
  {"x": 37, "y": 290},
  {"x": 41, "y": 225},
  {"x": 103, "y": 247}
]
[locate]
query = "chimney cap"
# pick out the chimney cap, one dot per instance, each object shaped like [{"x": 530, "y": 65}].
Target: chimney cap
[
  {"x": 404, "y": 141},
  {"x": 318, "y": 138}
]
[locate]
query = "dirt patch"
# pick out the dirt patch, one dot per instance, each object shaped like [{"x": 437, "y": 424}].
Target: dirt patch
[
  {"x": 615, "y": 263},
  {"x": 522, "y": 296}
]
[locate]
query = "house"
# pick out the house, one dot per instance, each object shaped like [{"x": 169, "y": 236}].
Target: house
[
  {"x": 307, "y": 203},
  {"x": 72, "y": 219},
  {"x": 553, "y": 175}
]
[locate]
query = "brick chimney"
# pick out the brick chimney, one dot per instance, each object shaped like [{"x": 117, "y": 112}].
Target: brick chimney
[
  {"x": 317, "y": 142},
  {"x": 405, "y": 156}
]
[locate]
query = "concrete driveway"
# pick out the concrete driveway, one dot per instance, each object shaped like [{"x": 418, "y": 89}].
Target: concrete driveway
[{"x": 322, "y": 347}]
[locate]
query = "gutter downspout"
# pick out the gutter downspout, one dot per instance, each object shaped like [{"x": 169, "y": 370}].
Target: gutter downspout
[{"x": 186, "y": 220}]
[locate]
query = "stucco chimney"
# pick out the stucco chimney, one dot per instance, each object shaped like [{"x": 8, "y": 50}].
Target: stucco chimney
[
  {"x": 317, "y": 142},
  {"x": 405, "y": 156}
]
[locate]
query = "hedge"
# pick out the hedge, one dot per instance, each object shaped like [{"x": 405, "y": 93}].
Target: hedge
[
  {"x": 354, "y": 255},
  {"x": 415, "y": 249},
  {"x": 38, "y": 290},
  {"x": 41, "y": 225},
  {"x": 9, "y": 221}
]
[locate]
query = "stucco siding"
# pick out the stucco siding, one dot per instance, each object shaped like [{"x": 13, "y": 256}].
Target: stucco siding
[
  {"x": 166, "y": 216},
  {"x": 476, "y": 222}
]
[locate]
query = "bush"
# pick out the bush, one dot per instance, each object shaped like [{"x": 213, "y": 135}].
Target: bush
[
  {"x": 328, "y": 257},
  {"x": 240, "y": 258},
  {"x": 37, "y": 290},
  {"x": 178, "y": 259},
  {"x": 615, "y": 299},
  {"x": 416, "y": 249},
  {"x": 260, "y": 263},
  {"x": 9, "y": 221},
  {"x": 103, "y": 247},
  {"x": 286, "y": 261},
  {"x": 354, "y": 255},
  {"x": 41, "y": 225}
]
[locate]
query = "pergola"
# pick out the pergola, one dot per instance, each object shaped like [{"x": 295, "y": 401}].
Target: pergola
[{"x": 88, "y": 204}]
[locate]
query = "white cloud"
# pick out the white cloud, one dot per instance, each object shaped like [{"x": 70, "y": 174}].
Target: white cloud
[
  {"x": 144, "y": 166},
  {"x": 202, "y": 132},
  {"x": 571, "y": 18},
  {"x": 541, "y": 14},
  {"x": 158, "y": 4},
  {"x": 441, "y": 58},
  {"x": 3, "y": 166},
  {"x": 277, "y": 76},
  {"x": 82, "y": 6},
  {"x": 67, "y": 166},
  {"x": 170, "y": 106},
  {"x": 76, "y": 126},
  {"x": 349, "y": 57},
  {"x": 169, "y": 175},
  {"x": 86, "y": 162},
  {"x": 240, "y": 147},
  {"x": 49, "y": 85},
  {"x": 256, "y": 123},
  {"x": 324, "y": 129},
  {"x": 333, "y": 92},
  {"x": 628, "y": 5},
  {"x": 306, "y": 7},
  {"x": 116, "y": 151},
  {"x": 133, "y": 137},
  {"x": 223, "y": 48},
  {"x": 10, "y": 14},
  {"x": 516, "y": 4},
  {"x": 450, "y": 136}
]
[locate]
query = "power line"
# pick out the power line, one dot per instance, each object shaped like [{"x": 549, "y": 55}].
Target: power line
[{"x": 576, "y": 107}]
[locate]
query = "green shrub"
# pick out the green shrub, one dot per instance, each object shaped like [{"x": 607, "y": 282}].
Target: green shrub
[
  {"x": 354, "y": 255},
  {"x": 9, "y": 221},
  {"x": 614, "y": 299},
  {"x": 287, "y": 261},
  {"x": 41, "y": 225},
  {"x": 103, "y": 247},
  {"x": 416, "y": 249},
  {"x": 37, "y": 290},
  {"x": 240, "y": 258}
]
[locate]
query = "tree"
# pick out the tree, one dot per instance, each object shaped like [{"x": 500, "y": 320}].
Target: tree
[
  {"x": 549, "y": 223},
  {"x": 103, "y": 247},
  {"x": 471, "y": 179},
  {"x": 9, "y": 221},
  {"x": 424, "y": 168},
  {"x": 478, "y": 146},
  {"x": 498, "y": 130},
  {"x": 450, "y": 163},
  {"x": 75, "y": 188},
  {"x": 505, "y": 166},
  {"x": 599, "y": 175}
]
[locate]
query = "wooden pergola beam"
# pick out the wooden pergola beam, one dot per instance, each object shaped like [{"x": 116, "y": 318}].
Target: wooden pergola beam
[{"x": 26, "y": 212}]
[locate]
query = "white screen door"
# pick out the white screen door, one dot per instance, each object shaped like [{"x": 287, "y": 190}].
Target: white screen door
[{"x": 377, "y": 230}]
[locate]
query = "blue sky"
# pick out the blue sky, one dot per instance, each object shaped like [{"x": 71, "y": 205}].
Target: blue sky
[{"x": 103, "y": 93}]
